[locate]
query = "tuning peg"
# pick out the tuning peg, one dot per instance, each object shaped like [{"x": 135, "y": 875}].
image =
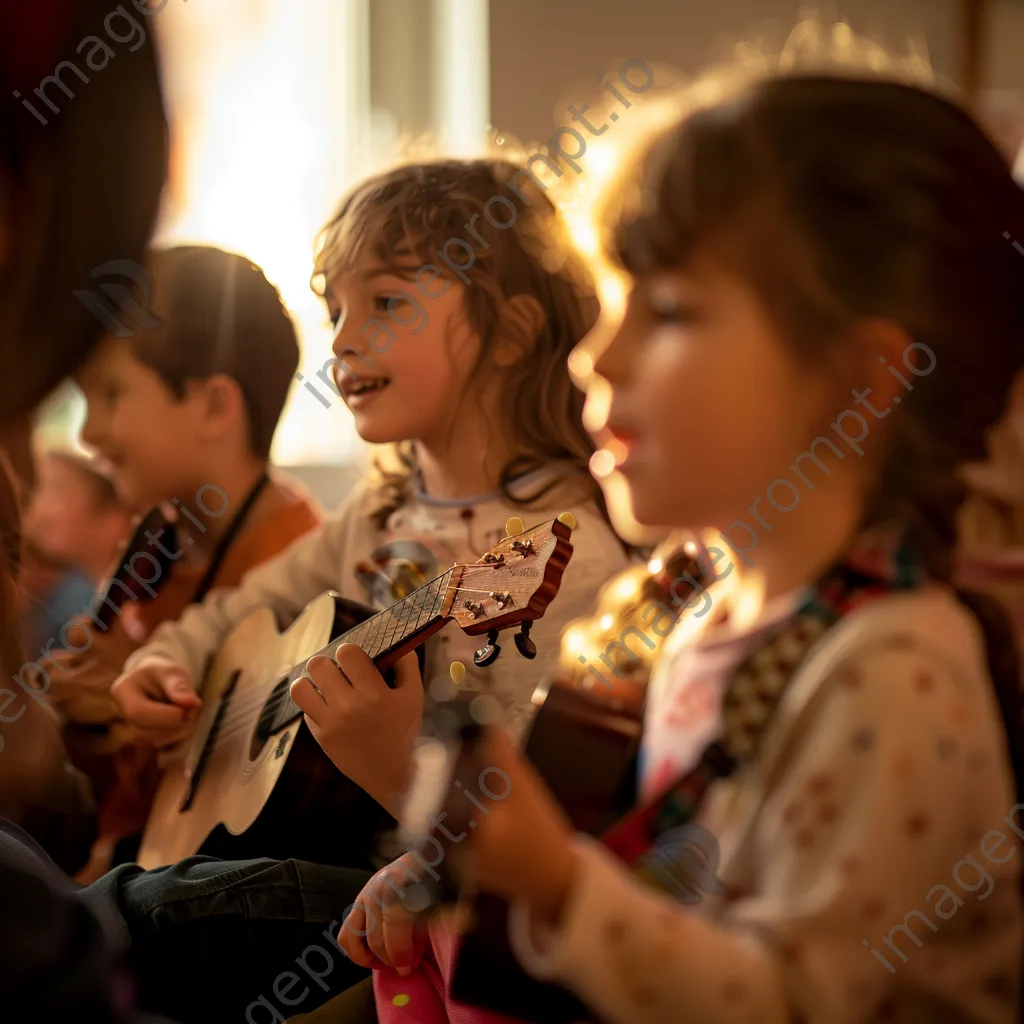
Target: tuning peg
[
  {"x": 514, "y": 526},
  {"x": 457, "y": 671},
  {"x": 526, "y": 647},
  {"x": 486, "y": 655},
  {"x": 568, "y": 519}
]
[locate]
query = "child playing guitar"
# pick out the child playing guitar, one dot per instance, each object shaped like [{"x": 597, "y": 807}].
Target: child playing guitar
[
  {"x": 472, "y": 380},
  {"x": 183, "y": 416}
]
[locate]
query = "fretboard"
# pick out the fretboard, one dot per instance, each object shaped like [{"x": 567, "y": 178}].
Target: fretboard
[{"x": 378, "y": 636}]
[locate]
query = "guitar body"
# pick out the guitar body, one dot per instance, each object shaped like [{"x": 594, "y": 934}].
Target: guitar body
[
  {"x": 252, "y": 782},
  {"x": 279, "y": 797}
]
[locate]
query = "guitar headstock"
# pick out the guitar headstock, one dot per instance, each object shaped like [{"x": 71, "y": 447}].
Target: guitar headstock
[{"x": 514, "y": 582}]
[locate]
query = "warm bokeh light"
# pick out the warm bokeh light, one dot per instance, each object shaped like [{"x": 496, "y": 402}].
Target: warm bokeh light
[
  {"x": 602, "y": 463},
  {"x": 581, "y": 364},
  {"x": 617, "y": 450},
  {"x": 574, "y": 640},
  {"x": 599, "y": 401},
  {"x": 584, "y": 234},
  {"x": 627, "y": 588}
]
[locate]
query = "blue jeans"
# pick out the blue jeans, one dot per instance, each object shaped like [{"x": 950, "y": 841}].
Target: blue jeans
[{"x": 224, "y": 941}]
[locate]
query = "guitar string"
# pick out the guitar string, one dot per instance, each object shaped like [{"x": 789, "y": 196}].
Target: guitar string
[
  {"x": 240, "y": 712},
  {"x": 258, "y": 699},
  {"x": 244, "y": 718},
  {"x": 254, "y": 700},
  {"x": 243, "y": 708},
  {"x": 239, "y": 716}
]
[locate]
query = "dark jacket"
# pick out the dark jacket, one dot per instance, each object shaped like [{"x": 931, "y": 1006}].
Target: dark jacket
[{"x": 57, "y": 962}]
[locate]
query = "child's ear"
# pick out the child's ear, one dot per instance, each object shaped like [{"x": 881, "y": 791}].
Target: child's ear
[
  {"x": 222, "y": 404},
  {"x": 522, "y": 319},
  {"x": 885, "y": 344}
]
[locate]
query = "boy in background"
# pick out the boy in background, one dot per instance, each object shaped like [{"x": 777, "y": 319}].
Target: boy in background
[{"x": 183, "y": 416}]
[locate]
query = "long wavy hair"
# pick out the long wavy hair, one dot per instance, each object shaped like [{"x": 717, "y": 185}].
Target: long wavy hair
[{"x": 419, "y": 207}]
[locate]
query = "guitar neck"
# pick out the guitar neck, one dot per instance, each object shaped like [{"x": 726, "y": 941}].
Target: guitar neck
[{"x": 385, "y": 637}]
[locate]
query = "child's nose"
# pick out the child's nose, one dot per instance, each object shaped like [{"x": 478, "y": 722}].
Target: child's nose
[
  {"x": 92, "y": 433},
  {"x": 349, "y": 346},
  {"x": 609, "y": 353}
]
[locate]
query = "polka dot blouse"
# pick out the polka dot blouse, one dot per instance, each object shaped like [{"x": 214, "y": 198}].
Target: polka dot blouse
[{"x": 868, "y": 859}]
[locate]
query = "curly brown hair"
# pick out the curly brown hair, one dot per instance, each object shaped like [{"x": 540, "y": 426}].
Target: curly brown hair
[{"x": 410, "y": 212}]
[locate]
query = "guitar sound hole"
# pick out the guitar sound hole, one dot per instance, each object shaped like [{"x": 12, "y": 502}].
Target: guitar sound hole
[{"x": 273, "y": 718}]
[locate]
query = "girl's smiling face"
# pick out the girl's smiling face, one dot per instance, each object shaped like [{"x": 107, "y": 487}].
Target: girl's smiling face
[
  {"x": 403, "y": 352},
  {"x": 708, "y": 405}
]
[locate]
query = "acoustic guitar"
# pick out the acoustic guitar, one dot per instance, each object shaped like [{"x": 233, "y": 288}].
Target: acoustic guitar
[{"x": 253, "y": 776}]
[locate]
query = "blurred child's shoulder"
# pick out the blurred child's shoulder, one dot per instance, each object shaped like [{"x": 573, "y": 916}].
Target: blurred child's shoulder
[
  {"x": 930, "y": 620},
  {"x": 293, "y": 498},
  {"x": 289, "y": 511},
  {"x": 927, "y": 637}
]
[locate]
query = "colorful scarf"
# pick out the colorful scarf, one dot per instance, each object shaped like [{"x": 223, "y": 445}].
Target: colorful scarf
[{"x": 654, "y": 839}]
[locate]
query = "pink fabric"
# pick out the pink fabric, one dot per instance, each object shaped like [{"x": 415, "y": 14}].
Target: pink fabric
[{"x": 422, "y": 997}]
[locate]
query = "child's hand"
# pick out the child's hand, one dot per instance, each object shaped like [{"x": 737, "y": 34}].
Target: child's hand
[
  {"x": 366, "y": 728},
  {"x": 520, "y": 849},
  {"x": 380, "y": 929},
  {"x": 157, "y": 697}
]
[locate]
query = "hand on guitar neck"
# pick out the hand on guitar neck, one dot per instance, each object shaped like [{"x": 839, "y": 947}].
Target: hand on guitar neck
[
  {"x": 364, "y": 726},
  {"x": 521, "y": 849}
]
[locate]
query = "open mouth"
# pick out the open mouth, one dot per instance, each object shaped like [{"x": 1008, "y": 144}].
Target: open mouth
[{"x": 363, "y": 386}]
